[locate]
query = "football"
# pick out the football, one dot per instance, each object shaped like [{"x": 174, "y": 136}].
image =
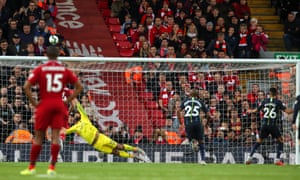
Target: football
[{"x": 53, "y": 39}]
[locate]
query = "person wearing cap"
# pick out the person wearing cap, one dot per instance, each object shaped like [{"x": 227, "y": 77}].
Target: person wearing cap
[{"x": 16, "y": 46}]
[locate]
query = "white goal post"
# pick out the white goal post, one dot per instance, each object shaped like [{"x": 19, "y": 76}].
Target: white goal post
[{"x": 117, "y": 103}]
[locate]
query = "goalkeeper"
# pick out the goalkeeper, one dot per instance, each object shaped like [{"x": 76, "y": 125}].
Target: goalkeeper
[{"x": 99, "y": 141}]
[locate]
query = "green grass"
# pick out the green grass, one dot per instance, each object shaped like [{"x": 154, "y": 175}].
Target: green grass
[{"x": 143, "y": 171}]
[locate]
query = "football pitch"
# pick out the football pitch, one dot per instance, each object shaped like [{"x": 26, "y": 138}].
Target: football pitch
[{"x": 154, "y": 171}]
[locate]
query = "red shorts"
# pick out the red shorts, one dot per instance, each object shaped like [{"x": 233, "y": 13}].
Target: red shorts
[{"x": 50, "y": 113}]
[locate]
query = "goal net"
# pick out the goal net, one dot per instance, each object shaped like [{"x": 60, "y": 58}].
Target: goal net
[{"x": 135, "y": 101}]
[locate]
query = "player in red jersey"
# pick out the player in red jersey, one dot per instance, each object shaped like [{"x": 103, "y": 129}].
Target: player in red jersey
[{"x": 51, "y": 78}]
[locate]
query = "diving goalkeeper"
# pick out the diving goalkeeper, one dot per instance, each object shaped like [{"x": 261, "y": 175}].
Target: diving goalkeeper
[{"x": 99, "y": 141}]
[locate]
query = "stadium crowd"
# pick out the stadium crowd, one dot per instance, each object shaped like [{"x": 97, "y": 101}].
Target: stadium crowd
[
  {"x": 169, "y": 29},
  {"x": 200, "y": 29}
]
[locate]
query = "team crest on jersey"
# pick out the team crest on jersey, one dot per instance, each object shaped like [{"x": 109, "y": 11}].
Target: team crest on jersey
[{"x": 30, "y": 75}]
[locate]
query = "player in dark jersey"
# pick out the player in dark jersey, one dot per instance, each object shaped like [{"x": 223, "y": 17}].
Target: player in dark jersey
[
  {"x": 51, "y": 110},
  {"x": 191, "y": 108},
  {"x": 271, "y": 108},
  {"x": 296, "y": 111}
]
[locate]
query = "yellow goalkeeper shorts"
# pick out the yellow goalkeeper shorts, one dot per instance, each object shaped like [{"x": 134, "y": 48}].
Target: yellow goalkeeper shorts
[{"x": 105, "y": 144}]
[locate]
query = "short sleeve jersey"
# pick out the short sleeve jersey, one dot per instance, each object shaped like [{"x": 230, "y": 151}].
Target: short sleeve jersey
[
  {"x": 271, "y": 109},
  {"x": 52, "y": 77},
  {"x": 192, "y": 108}
]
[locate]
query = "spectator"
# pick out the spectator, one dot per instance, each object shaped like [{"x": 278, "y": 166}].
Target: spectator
[
  {"x": 241, "y": 8},
  {"x": 231, "y": 81},
  {"x": 40, "y": 46},
  {"x": 20, "y": 135},
  {"x": 49, "y": 20},
  {"x": 33, "y": 10},
  {"x": 6, "y": 114},
  {"x": 224, "y": 7},
  {"x": 127, "y": 9},
  {"x": 253, "y": 25},
  {"x": 41, "y": 29},
  {"x": 208, "y": 133},
  {"x": 220, "y": 25},
  {"x": 165, "y": 10},
  {"x": 50, "y": 6},
  {"x": 182, "y": 50},
  {"x": 26, "y": 35},
  {"x": 4, "y": 51},
  {"x": 144, "y": 50},
  {"x": 209, "y": 33},
  {"x": 20, "y": 107},
  {"x": 159, "y": 136},
  {"x": 171, "y": 54},
  {"x": 4, "y": 14},
  {"x": 220, "y": 139},
  {"x": 126, "y": 24},
  {"x": 12, "y": 29},
  {"x": 156, "y": 31},
  {"x": 244, "y": 43},
  {"x": 139, "y": 137},
  {"x": 1, "y": 34},
  {"x": 259, "y": 41},
  {"x": 17, "y": 47},
  {"x": 139, "y": 44},
  {"x": 191, "y": 33},
  {"x": 235, "y": 122},
  {"x": 219, "y": 44},
  {"x": 172, "y": 136},
  {"x": 252, "y": 96},
  {"x": 33, "y": 22},
  {"x": 163, "y": 48},
  {"x": 291, "y": 35},
  {"x": 165, "y": 95},
  {"x": 152, "y": 52},
  {"x": 180, "y": 19},
  {"x": 231, "y": 39},
  {"x": 11, "y": 87},
  {"x": 212, "y": 85},
  {"x": 149, "y": 13},
  {"x": 116, "y": 8},
  {"x": 30, "y": 49}
]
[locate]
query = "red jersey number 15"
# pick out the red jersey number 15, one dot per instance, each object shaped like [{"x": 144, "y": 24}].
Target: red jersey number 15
[{"x": 54, "y": 82}]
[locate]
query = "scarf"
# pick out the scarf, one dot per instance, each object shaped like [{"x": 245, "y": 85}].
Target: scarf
[
  {"x": 221, "y": 45},
  {"x": 243, "y": 40}
]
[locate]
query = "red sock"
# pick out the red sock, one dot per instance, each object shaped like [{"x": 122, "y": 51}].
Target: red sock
[
  {"x": 54, "y": 153},
  {"x": 34, "y": 154}
]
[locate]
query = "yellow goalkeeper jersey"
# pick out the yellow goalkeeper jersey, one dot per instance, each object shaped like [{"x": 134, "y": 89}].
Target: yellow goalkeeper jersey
[{"x": 84, "y": 127}]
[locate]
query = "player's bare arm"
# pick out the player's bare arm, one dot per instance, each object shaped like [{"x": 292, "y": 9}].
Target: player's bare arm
[
  {"x": 28, "y": 92},
  {"x": 77, "y": 90}
]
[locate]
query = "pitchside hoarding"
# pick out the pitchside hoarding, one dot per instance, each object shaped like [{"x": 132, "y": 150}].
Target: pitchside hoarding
[{"x": 156, "y": 153}]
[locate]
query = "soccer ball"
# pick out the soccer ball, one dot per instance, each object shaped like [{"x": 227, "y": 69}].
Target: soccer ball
[{"x": 53, "y": 39}]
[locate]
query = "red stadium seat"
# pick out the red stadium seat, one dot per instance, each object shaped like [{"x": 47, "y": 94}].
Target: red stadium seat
[
  {"x": 114, "y": 28},
  {"x": 112, "y": 21},
  {"x": 106, "y": 13},
  {"x": 103, "y": 5},
  {"x": 124, "y": 44},
  {"x": 126, "y": 52},
  {"x": 146, "y": 96},
  {"x": 119, "y": 37},
  {"x": 158, "y": 122},
  {"x": 151, "y": 105},
  {"x": 156, "y": 114}
]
